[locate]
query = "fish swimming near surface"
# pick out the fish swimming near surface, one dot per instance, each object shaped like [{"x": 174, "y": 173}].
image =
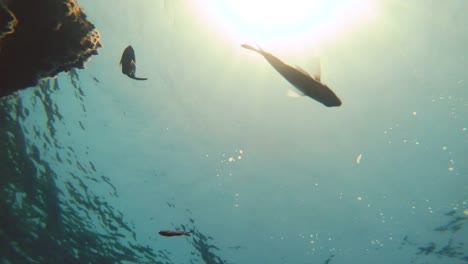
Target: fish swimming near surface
[
  {"x": 171, "y": 233},
  {"x": 128, "y": 63},
  {"x": 303, "y": 81}
]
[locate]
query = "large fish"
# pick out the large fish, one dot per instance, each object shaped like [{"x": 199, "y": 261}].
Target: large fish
[
  {"x": 303, "y": 81},
  {"x": 128, "y": 63},
  {"x": 171, "y": 233}
]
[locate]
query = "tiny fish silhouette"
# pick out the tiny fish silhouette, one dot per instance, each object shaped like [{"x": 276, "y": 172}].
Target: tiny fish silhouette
[
  {"x": 171, "y": 233},
  {"x": 128, "y": 63},
  {"x": 303, "y": 81}
]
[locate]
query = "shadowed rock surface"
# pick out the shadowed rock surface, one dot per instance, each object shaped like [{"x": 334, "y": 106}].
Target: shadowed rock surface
[{"x": 39, "y": 39}]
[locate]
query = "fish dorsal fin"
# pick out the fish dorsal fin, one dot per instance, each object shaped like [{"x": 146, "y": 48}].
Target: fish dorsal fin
[
  {"x": 302, "y": 70},
  {"x": 318, "y": 74}
]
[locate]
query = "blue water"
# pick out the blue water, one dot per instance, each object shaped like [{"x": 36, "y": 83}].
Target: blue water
[{"x": 211, "y": 143}]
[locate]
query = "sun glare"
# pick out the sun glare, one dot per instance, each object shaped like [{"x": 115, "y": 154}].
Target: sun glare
[
  {"x": 264, "y": 15},
  {"x": 285, "y": 21}
]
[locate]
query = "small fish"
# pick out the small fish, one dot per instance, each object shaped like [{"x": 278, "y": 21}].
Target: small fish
[
  {"x": 451, "y": 213},
  {"x": 171, "y": 233},
  {"x": 328, "y": 261},
  {"x": 128, "y": 63},
  {"x": 303, "y": 81}
]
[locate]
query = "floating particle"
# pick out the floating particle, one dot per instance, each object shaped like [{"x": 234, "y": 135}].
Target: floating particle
[
  {"x": 465, "y": 212},
  {"x": 450, "y": 168},
  {"x": 239, "y": 157},
  {"x": 241, "y": 151},
  {"x": 444, "y": 148},
  {"x": 464, "y": 129},
  {"x": 231, "y": 159},
  {"x": 359, "y": 198},
  {"x": 414, "y": 113},
  {"x": 358, "y": 159}
]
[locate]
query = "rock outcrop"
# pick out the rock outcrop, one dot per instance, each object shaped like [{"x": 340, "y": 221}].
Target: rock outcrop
[{"x": 39, "y": 39}]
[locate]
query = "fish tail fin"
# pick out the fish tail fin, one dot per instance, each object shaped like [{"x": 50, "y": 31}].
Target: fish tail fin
[
  {"x": 138, "y": 78},
  {"x": 188, "y": 233},
  {"x": 259, "y": 48},
  {"x": 245, "y": 46}
]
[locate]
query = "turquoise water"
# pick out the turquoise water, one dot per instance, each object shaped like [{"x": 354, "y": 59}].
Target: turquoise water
[{"x": 211, "y": 143}]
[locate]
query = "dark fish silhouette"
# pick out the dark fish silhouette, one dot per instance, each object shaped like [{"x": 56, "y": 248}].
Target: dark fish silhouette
[
  {"x": 303, "y": 81},
  {"x": 128, "y": 63},
  {"x": 171, "y": 233}
]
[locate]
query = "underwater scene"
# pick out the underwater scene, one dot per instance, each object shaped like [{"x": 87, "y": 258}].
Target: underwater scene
[{"x": 204, "y": 131}]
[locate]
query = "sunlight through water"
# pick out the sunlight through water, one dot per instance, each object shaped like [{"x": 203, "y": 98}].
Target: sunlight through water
[{"x": 286, "y": 22}]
